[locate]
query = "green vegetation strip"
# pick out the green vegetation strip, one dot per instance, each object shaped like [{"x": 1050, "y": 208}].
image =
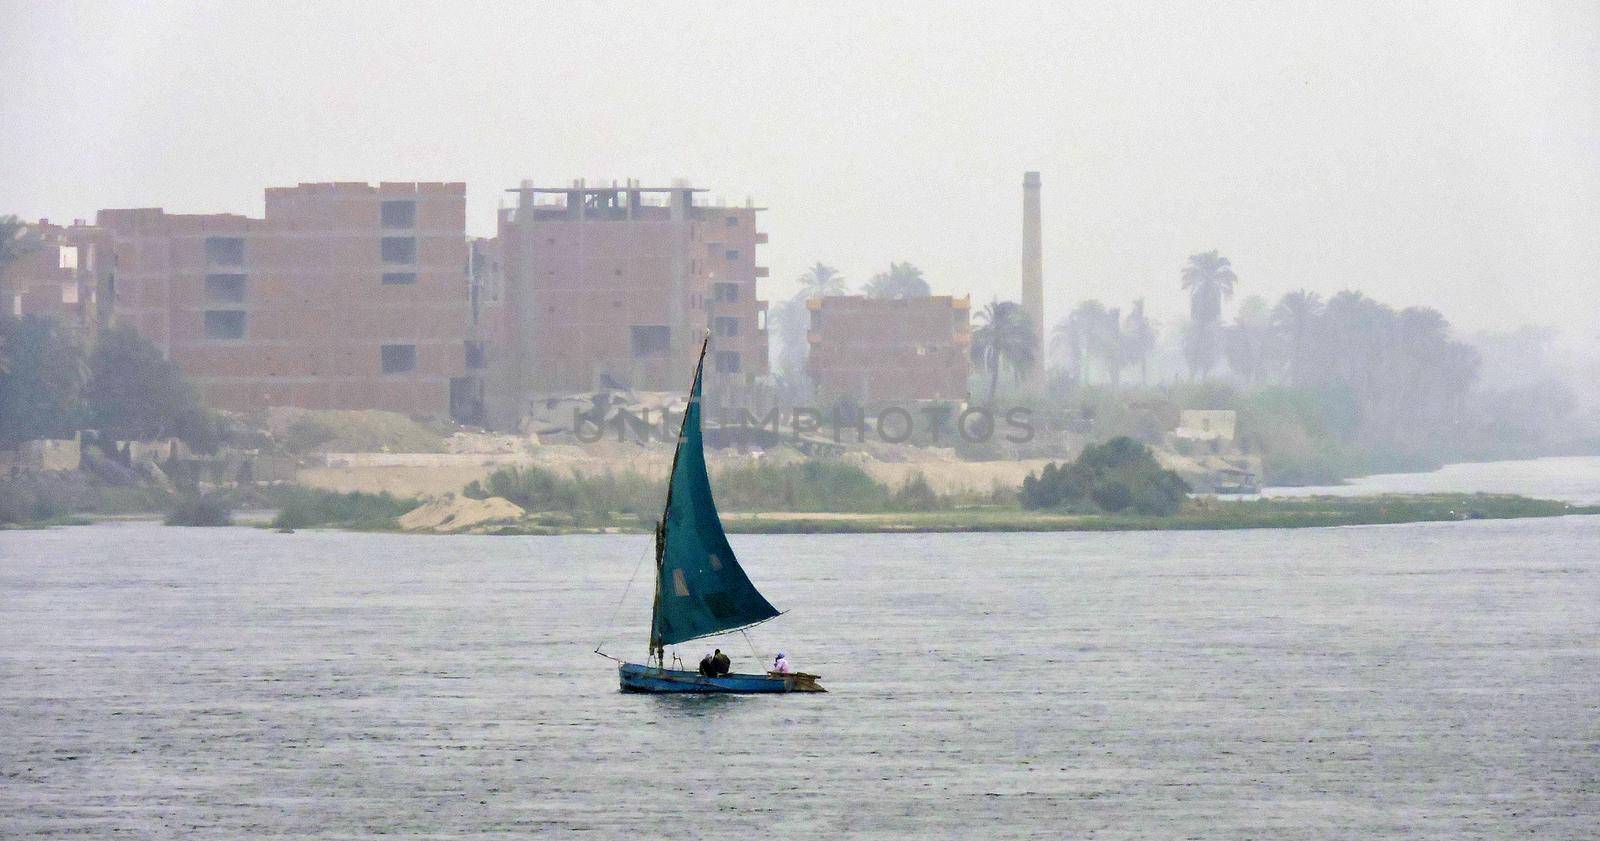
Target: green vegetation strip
[{"x": 1200, "y": 514}]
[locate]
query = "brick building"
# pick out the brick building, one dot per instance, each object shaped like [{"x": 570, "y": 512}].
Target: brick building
[
  {"x": 344, "y": 296},
  {"x": 60, "y": 275},
  {"x": 902, "y": 349},
  {"x": 616, "y": 285}
]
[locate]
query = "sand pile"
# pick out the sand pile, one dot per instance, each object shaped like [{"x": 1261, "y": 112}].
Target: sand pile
[{"x": 459, "y": 513}]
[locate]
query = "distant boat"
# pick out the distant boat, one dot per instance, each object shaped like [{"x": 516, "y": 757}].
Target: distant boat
[
  {"x": 1232, "y": 480},
  {"x": 700, "y": 588}
]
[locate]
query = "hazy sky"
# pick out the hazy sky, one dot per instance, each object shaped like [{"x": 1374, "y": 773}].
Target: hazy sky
[{"x": 1446, "y": 152}]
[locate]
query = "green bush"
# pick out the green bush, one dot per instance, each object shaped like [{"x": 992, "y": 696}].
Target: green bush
[
  {"x": 596, "y": 498},
  {"x": 816, "y": 485},
  {"x": 917, "y": 495},
  {"x": 799, "y": 486},
  {"x": 1112, "y": 477},
  {"x": 202, "y": 510},
  {"x": 303, "y": 508}
]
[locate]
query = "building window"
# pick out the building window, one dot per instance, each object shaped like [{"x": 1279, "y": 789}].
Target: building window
[
  {"x": 69, "y": 292},
  {"x": 731, "y": 254},
  {"x": 68, "y": 257},
  {"x": 727, "y": 362},
  {"x": 225, "y": 288},
  {"x": 398, "y": 359},
  {"x": 726, "y": 292},
  {"x": 477, "y": 355},
  {"x": 399, "y": 214},
  {"x": 399, "y": 250},
  {"x": 733, "y": 221},
  {"x": 225, "y": 251},
  {"x": 726, "y": 325},
  {"x": 651, "y": 340},
  {"x": 761, "y": 319},
  {"x": 224, "y": 324},
  {"x": 399, "y": 278}
]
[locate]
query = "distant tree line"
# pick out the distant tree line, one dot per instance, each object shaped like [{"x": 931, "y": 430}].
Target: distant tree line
[{"x": 53, "y": 383}]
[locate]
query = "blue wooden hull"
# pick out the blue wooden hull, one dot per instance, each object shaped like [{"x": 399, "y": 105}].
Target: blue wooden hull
[{"x": 637, "y": 678}]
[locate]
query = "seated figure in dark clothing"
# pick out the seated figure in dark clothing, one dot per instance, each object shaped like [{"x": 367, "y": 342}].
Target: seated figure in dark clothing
[
  {"x": 720, "y": 664},
  {"x": 708, "y": 666}
]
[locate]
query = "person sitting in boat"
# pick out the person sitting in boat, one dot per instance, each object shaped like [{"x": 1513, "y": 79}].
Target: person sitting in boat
[
  {"x": 708, "y": 666},
  {"x": 720, "y": 664},
  {"x": 780, "y": 664}
]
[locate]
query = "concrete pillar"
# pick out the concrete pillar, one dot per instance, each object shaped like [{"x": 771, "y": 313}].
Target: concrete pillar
[
  {"x": 681, "y": 342},
  {"x": 1033, "y": 265}
]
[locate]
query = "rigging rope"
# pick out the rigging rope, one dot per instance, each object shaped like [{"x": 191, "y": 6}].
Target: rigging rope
[{"x": 610, "y": 623}]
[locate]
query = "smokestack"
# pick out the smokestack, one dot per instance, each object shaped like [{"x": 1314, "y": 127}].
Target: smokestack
[{"x": 1033, "y": 265}]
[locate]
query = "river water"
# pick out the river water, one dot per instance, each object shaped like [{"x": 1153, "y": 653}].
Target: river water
[
  {"x": 1434, "y": 680},
  {"x": 1574, "y": 479}
]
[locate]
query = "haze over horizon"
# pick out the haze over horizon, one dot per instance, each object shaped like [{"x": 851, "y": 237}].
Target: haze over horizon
[{"x": 1438, "y": 155}]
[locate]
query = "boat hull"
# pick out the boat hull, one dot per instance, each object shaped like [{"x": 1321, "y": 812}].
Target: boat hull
[{"x": 656, "y": 680}]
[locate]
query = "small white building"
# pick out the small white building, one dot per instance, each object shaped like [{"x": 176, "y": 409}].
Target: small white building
[{"x": 1210, "y": 425}]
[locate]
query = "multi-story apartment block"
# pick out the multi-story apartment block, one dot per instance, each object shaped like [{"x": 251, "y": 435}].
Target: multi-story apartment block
[
  {"x": 344, "y": 296},
  {"x": 873, "y": 350},
  {"x": 617, "y": 286}
]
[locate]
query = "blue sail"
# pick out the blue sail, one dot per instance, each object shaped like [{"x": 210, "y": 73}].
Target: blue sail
[{"x": 700, "y": 587}]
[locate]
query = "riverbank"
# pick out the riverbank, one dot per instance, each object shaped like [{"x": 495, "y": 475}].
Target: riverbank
[
  {"x": 1198, "y": 514},
  {"x": 1202, "y": 514}
]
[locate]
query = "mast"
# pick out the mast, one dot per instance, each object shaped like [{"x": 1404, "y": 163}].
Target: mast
[{"x": 661, "y": 528}]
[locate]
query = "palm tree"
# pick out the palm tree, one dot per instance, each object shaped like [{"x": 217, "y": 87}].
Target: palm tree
[
  {"x": 820, "y": 281},
  {"x": 789, "y": 321},
  {"x": 902, "y": 280},
  {"x": 1294, "y": 321},
  {"x": 1209, "y": 280},
  {"x": 1109, "y": 345},
  {"x": 1139, "y": 339},
  {"x": 1248, "y": 342},
  {"x": 1082, "y": 334},
  {"x": 1003, "y": 338}
]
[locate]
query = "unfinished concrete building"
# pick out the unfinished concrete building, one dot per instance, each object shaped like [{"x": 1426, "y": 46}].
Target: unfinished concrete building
[
  {"x": 344, "y": 296},
  {"x": 615, "y": 286},
  {"x": 874, "y": 350}
]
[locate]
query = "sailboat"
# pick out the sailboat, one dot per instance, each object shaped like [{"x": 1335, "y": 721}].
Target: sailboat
[{"x": 700, "y": 588}]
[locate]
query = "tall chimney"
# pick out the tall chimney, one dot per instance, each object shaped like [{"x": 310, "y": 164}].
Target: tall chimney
[{"x": 1033, "y": 265}]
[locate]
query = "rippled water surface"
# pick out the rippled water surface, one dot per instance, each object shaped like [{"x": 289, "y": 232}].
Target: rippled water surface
[{"x": 1432, "y": 680}]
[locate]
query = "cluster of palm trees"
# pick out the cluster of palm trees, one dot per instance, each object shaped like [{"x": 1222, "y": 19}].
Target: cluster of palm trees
[
  {"x": 1095, "y": 336},
  {"x": 902, "y": 280},
  {"x": 1402, "y": 370}
]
